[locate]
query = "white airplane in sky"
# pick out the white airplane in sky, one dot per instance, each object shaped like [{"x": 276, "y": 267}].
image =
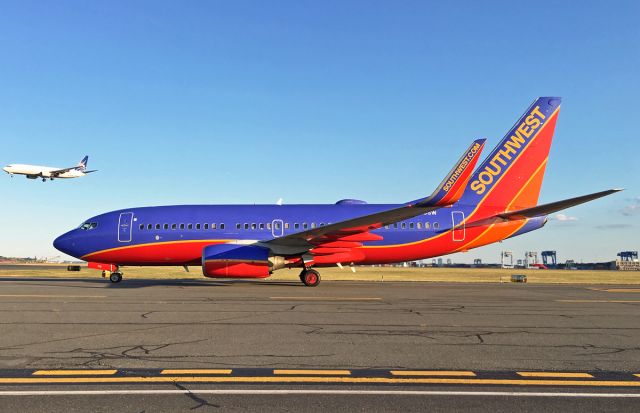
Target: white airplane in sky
[{"x": 48, "y": 172}]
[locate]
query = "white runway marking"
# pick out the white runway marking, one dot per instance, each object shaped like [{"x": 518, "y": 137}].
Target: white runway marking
[{"x": 315, "y": 392}]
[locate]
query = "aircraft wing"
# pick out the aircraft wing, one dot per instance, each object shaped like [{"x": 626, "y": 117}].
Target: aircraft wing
[
  {"x": 541, "y": 210},
  {"x": 59, "y": 172},
  {"x": 356, "y": 229}
]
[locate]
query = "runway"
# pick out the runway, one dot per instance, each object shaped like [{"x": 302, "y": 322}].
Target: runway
[{"x": 277, "y": 344}]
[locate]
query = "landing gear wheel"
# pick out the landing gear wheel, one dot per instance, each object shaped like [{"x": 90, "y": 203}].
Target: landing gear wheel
[
  {"x": 310, "y": 277},
  {"x": 115, "y": 277}
]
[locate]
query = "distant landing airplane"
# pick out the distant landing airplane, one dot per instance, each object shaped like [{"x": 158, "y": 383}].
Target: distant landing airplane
[
  {"x": 48, "y": 172},
  {"x": 467, "y": 210}
]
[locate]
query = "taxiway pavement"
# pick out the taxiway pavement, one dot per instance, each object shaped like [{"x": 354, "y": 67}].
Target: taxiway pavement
[{"x": 364, "y": 338}]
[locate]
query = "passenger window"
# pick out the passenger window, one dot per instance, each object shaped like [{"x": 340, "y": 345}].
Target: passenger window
[
  {"x": 296, "y": 226},
  {"x": 206, "y": 226},
  {"x": 277, "y": 225},
  {"x": 149, "y": 226},
  {"x": 322, "y": 224},
  {"x": 436, "y": 225},
  {"x": 411, "y": 225},
  {"x": 419, "y": 225},
  {"x": 395, "y": 226},
  {"x": 166, "y": 226},
  {"x": 313, "y": 225},
  {"x": 174, "y": 226},
  {"x": 261, "y": 226},
  {"x": 254, "y": 226},
  {"x": 213, "y": 226},
  {"x": 181, "y": 226},
  {"x": 386, "y": 227},
  {"x": 304, "y": 225},
  {"x": 238, "y": 226},
  {"x": 221, "y": 226},
  {"x": 286, "y": 225},
  {"x": 190, "y": 226},
  {"x": 268, "y": 225},
  {"x": 197, "y": 226},
  {"x": 246, "y": 226},
  {"x": 404, "y": 225},
  {"x": 427, "y": 225},
  {"x": 141, "y": 226}
]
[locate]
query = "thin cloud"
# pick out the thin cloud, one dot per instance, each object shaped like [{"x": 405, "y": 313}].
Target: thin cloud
[
  {"x": 633, "y": 208},
  {"x": 563, "y": 218}
]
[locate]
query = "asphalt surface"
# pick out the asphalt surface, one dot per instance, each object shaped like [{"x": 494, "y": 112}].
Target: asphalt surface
[{"x": 482, "y": 337}]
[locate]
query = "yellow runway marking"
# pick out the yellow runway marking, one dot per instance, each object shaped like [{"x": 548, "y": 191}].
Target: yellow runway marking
[
  {"x": 554, "y": 374},
  {"x": 74, "y": 372},
  {"x": 197, "y": 371},
  {"x": 324, "y": 379},
  {"x": 314, "y": 372},
  {"x": 598, "y": 301},
  {"x": 315, "y": 298},
  {"x": 50, "y": 296},
  {"x": 432, "y": 373}
]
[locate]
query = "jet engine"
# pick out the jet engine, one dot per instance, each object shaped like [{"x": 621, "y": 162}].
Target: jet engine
[{"x": 239, "y": 261}]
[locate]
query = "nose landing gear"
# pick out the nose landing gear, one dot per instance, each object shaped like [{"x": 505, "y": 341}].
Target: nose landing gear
[{"x": 114, "y": 277}]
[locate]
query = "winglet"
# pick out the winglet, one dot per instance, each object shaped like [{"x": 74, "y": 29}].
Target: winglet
[{"x": 453, "y": 185}]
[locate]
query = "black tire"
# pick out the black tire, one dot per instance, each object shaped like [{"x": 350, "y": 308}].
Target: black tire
[
  {"x": 310, "y": 277},
  {"x": 115, "y": 277}
]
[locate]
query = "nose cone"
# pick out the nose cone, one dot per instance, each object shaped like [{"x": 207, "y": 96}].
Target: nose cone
[
  {"x": 64, "y": 243},
  {"x": 6, "y": 169}
]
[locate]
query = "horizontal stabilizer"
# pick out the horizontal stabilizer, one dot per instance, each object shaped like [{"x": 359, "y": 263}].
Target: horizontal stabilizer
[{"x": 541, "y": 210}]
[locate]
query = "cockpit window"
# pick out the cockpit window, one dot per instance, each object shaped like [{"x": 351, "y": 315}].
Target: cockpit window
[{"x": 88, "y": 225}]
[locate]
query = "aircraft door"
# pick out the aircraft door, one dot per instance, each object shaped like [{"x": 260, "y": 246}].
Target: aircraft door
[
  {"x": 125, "y": 224},
  {"x": 457, "y": 220},
  {"x": 277, "y": 228}
]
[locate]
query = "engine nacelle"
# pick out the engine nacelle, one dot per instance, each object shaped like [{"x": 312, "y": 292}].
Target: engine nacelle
[{"x": 236, "y": 261}]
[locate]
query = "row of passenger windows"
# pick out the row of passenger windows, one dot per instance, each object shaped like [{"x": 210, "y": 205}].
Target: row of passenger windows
[
  {"x": 413, "y": 225},
  {"x": 181, "y": 226},
  {"x": 277, "y": 225}
]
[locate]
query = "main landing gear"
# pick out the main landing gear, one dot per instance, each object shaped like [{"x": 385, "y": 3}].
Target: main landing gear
[
  {"x": 310, "y": 277},
  {"x": 114, "y": 277}
]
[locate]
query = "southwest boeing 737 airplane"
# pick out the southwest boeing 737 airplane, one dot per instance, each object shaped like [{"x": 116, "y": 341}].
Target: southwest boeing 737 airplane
[
  {"x": 467, "y": 210},
  {"x": 48, "y": 172}
]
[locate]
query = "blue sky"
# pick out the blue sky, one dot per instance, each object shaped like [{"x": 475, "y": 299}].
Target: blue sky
[{"x": 247, "y": 102}]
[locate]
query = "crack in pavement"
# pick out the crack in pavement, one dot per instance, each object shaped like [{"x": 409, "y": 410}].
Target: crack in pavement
[{"x": 201, "y": 402}]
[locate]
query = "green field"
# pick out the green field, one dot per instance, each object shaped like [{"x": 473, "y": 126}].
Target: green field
[{"x": 485, "y": 275}]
